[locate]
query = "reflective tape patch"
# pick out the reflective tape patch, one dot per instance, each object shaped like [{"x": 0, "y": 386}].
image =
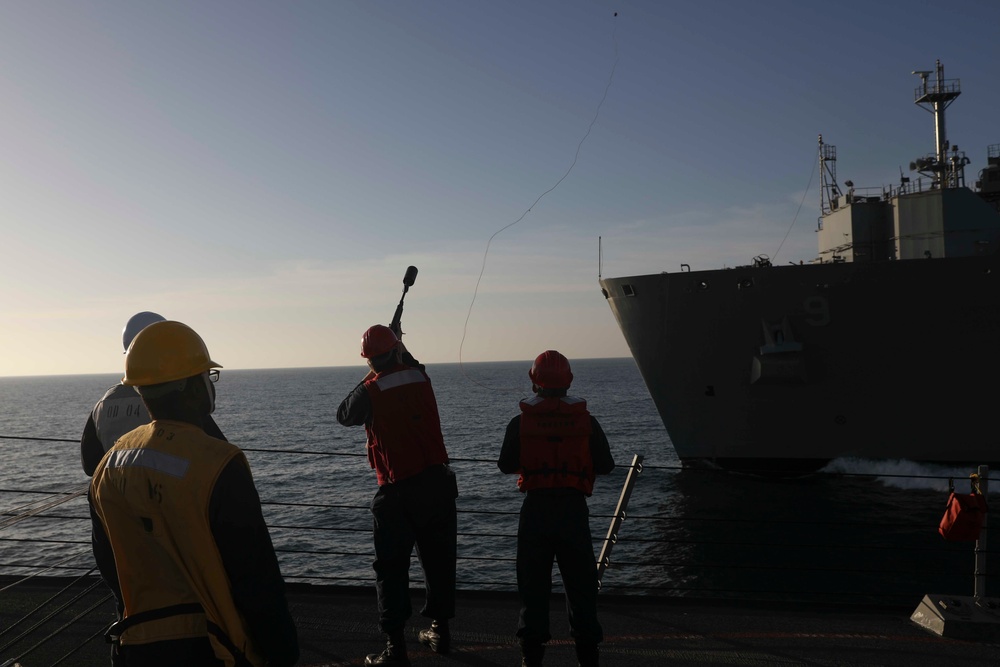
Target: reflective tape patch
[
  {"x": 168, "y": 464},
  {"x": 399, "y": 379}
]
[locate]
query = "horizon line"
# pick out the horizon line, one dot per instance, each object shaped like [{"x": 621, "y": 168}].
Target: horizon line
[{"x": 289, "y": 368}]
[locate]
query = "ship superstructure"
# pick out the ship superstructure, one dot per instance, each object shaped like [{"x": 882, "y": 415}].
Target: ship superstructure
[{"x": 935, "y": 215}]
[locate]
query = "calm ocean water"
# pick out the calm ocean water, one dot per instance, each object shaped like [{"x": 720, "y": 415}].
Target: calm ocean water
[{"x": 868, "y": 527}]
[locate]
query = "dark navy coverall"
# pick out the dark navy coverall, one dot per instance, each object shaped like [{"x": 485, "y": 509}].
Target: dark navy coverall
[
  {"x": 417, "y": 511},
  {"x": 555, "y": 525}
]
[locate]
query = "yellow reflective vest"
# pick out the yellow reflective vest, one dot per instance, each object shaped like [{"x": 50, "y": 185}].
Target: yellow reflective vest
[{"x": 151, "y": 492}]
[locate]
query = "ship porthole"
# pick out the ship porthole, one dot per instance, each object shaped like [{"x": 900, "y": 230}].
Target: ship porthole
[{"x": 703, "y": 285}]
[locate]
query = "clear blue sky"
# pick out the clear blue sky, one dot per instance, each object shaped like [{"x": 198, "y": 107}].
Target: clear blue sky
[{"x": 265, "y": 172}]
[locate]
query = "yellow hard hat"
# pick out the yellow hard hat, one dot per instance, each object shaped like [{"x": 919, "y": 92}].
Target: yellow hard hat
[{"x": 164, "y": 352}]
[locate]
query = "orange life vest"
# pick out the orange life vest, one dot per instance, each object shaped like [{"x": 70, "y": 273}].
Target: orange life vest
[
  {"x": 404, "y": 434},
  {"x": 555, "y": 444}
]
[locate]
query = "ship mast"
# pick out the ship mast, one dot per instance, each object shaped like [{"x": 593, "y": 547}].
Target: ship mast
[
  {"x": 829, "y": 192},
  {"x": 946, "y": 172}
]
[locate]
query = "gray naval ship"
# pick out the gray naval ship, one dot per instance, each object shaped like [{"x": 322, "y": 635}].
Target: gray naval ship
[{"x": 886, "y": 346}]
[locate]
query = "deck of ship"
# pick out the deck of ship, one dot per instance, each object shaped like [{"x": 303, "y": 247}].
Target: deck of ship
[{"x": 337, "y": 627}]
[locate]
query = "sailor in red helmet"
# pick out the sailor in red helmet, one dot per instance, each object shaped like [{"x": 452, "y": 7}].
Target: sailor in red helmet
[
  {"x": 557, "y": 447},
  {"x": 415, "y": 502}
]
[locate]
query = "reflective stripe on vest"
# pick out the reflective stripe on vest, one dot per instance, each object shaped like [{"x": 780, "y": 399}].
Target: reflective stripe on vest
[
  {"x": 399, "y": 379},
  {"x": 168, "y": 464}
]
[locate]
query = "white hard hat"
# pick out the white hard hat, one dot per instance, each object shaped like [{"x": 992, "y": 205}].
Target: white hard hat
[{"x": 137, "y": 323}]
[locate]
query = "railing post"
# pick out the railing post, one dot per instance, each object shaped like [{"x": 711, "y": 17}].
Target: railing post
[
  {"x": 979, "y": 592},
  {"x": 605, "y": 558}
]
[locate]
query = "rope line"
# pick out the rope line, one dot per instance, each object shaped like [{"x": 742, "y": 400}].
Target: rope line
[
  {"x": 42, "y": 540},
  {"x": 576, "y": 157},
  {"x": 48, "y": 618},
  {"x": 801, "y": 203},
  {"x": 38, "y": 506},
  {"x": 64, "y": 626},
  {"x": 762, "y": 472},
  {"x": 635, "y": 517},
  {"x": 302, "y": 451},
  {"x": 783, "y": 568},
  {"x": 43, "y": 604},
  {"x": 789, "y": 545},
  {"x": 52, "y": 566},
  {"x": 89, "y": 639},
  {"x": 66, "y": 517}
]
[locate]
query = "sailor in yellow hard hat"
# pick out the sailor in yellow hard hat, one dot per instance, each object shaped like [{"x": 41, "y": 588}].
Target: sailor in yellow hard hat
[
  {"x": 179, "y": 535},
  {"x": 120, "y": 409}
]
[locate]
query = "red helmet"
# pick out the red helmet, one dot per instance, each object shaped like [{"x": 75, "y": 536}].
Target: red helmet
[
  {"x": 378, "y": 340},
  {"x": 551, "y": 371}
]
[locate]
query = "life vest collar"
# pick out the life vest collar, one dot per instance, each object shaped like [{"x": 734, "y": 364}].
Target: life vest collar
[{"x": 554, "y": 404}]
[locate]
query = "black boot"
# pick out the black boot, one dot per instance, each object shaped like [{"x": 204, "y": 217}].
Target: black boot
[
  {"x": 586, "y": 654},
  {"x": 394, "y": 654},
  {"x": 531, "y": 655},
  {"x": 437, "y": 637}
]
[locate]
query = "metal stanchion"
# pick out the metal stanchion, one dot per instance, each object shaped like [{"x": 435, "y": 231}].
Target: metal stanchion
[
  {"x": 605, "y": 558},
  {"x": 979, "y": 591},
  {"x": 961, "y": 616}
]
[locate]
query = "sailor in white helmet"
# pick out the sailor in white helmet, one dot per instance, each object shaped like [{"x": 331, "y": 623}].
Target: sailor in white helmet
[{"x": 121, "y": 409}]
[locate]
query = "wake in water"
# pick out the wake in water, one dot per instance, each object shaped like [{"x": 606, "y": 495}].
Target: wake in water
[{"x": 910, "y": 475}]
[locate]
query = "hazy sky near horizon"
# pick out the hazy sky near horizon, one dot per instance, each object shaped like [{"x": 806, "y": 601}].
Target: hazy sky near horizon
[{"x": 265, "y": 172}]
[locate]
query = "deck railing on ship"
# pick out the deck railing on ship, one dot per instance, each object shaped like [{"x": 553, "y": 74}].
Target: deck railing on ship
[{"x": 748, "y": 538}]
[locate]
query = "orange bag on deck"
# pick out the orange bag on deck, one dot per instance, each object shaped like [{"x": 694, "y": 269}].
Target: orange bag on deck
[{"x": 963, "y": 517}]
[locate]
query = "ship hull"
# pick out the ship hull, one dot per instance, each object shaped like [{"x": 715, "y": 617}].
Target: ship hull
[{"x": 788, "y": 367}]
